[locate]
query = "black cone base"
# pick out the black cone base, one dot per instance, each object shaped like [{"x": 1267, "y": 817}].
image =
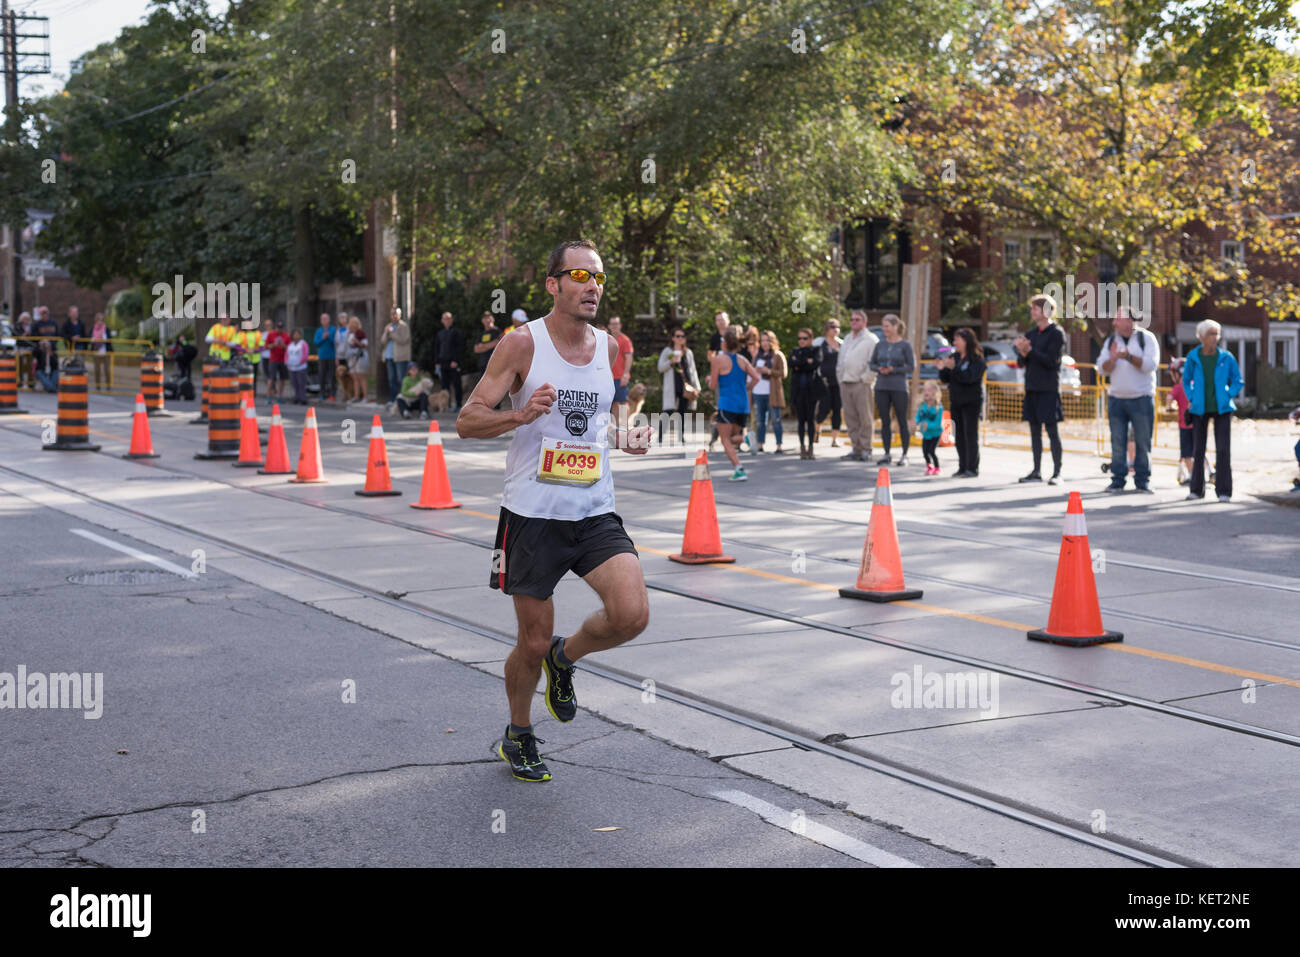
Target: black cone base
[
  {"x": 1074, "y": 642},
  {"x": 250, "y": 465},
  {"x": 701, "y": 559},
  {"x": 11, "y": 411},
  {"x": 881, "y": 596},
  {"x": 216, "y": 455},
  {"x": 71, "y": 447},
  {"x": 141, "y": 455},
  {"x": 362, "y": 491}
]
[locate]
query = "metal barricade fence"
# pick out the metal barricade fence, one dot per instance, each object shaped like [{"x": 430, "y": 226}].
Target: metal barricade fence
[
  {"x": 116, "y": 372},
  {"x": 1083, "y": 430}
]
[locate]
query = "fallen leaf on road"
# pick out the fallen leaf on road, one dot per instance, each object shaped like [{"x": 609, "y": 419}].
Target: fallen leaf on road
[
  {"x": 607, "y": 829},
  {"x": 123, "y": 751},
  {"x": 450, "y": 731}
]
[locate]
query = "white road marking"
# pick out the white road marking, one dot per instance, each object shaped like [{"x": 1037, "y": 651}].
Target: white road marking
[
  {"x": 818, "y": 833},
  {"x": 135, "y": 553}
]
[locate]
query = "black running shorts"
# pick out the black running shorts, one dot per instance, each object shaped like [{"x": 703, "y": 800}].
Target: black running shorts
[
  {"x": 740, "y": 419},
  {"x": 532, "y": 554}
]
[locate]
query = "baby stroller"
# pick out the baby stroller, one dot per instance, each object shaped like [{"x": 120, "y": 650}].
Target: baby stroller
[{"x": 180, "y": 385}]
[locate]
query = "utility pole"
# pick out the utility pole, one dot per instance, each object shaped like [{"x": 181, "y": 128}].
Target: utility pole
[
  {"x": 13, "y": 67},
  {"x": 387, "y": 215},
  {"x": 10, "y": 53}
]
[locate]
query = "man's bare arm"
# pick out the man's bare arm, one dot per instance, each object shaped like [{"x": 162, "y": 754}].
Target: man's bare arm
[{"x": 479, "y": 417}]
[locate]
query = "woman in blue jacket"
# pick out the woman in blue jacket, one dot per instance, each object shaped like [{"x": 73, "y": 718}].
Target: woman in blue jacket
[{"x": 1211, "y": 379}]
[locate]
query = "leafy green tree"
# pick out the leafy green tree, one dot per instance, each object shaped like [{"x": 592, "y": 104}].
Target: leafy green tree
[{"x": 1123, "y": 131}]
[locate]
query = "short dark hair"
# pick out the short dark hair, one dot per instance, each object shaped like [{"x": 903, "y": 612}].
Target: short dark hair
[
  {"x": 557, "y": 254},
  {"x": 731, "y": 338}
]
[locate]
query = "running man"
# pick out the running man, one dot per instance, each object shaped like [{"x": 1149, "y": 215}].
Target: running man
[{"x": 557, "y": 512}]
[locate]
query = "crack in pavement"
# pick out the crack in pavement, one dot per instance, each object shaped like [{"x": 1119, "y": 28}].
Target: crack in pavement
[{"x": 73, "y": 856}]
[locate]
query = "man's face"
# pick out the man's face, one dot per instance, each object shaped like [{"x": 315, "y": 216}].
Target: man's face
[
  {"x": 487, "y": 320},
  {"x": 73, "y": 313},
  {"x": 580, "y": 299},
  {"x": 857, "y": 322},
  {"x": 1036, "y": 313},
  {"x": 615, "y": 326},
  {"x": 1211, "y": 339},
  {"x": 721, "y": 321},
  {"x": 324, "y": 320},
  {"x": 1123, "y": 323},
  {"x": 446, "y": 320},
  {"x": 395, "y": 315}
]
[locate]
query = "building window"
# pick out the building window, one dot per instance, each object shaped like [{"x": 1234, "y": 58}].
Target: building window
[
  {"x": 875, "y": 251},
  {"x": 1231, "y": 250}
]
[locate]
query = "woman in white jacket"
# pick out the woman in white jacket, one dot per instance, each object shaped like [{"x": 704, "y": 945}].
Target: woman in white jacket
[{"x": 681, "y": 383}]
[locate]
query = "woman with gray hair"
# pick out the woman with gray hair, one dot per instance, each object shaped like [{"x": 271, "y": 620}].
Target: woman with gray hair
[{"x": 1211, "y": 379}]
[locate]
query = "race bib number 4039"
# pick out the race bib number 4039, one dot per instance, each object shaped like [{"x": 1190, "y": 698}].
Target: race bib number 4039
[{"x": 566, "y": 462}]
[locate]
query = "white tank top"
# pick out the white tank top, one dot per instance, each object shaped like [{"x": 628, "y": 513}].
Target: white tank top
[{"x": 581, "y": 413}]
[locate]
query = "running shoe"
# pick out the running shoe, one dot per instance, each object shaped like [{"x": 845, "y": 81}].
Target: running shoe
[
  {"x": 560, "y": 699},
  {"x": 902, "y": 460},
  {"x": 1192, "y": 496},
  {"x": 521, "y": 754},
  {"x": 1146, "y": 490},
  {"x": 1033, "y": 476},
  {"x": 1112, "y": 487},
  {"x": 1225, "y": 498},
  {"x": 1055, "y": 479},
  {"x": 738, "y": 476},
  {"x": 884, "y": 460}
]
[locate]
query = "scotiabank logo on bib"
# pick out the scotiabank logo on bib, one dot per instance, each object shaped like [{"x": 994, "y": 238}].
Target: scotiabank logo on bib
[{"x": 577, "y": 407}]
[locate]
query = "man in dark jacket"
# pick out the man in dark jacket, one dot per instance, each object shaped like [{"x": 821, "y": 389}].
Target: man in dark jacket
[
  {"x": 46, "y": 328},
  {"x": 74, "y": 328},
  {"x": 449, "y": 348},
  {"x": 1040, "y": 351}
]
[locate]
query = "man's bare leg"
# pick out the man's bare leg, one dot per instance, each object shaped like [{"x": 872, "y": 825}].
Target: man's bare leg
[
  {"x": 621, "y": 587},
  {"x": 524, "y": 666}
]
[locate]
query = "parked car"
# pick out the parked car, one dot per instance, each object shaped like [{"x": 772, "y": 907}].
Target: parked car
[{"x": 994, "y": 351}]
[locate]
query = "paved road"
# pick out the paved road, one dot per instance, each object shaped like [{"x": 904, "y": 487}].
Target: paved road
[{"x": 984, "y": 553}]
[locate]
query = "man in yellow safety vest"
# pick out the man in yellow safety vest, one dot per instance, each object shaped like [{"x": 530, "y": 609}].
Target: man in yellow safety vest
[{"x": 219, "y": 338}]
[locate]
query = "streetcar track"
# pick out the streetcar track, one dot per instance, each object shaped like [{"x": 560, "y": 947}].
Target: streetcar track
[
  {"x": 419, "y": 446},
  {"x": 860, "y": 634},
  {"x": 1047, "y": 821}
]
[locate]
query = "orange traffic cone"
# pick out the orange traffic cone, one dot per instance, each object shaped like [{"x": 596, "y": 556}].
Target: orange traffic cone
[
  {"x": 946, "y": 440},
  {"x": 880, "y": 575},
  {"x": 250, "y": 443},
  {"x": 141, "y": 443},
  {"x": 1075, "y": 618},
  {"x": 309, "y": 463},
  {"x": 277, "y": 449},
  {"x": 702, "y": 542},
  {"x": 378, "y": 479},
  {"x": 435, "y": 489}
]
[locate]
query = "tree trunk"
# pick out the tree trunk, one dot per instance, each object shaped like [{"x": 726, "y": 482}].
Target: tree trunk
[{"x": 304, "y": 285}]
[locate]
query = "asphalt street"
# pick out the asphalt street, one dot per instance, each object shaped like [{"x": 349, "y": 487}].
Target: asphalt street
[{"x": 228, "y": 685}]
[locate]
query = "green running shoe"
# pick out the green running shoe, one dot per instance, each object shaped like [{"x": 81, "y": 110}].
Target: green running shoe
[
  {"x": 521, "y": 754},
  {"x": 560, "y": 699}
]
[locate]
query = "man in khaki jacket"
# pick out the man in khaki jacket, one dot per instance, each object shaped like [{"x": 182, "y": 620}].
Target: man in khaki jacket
[
  {"x": 395, "y": 340},
  {"x": 856, "y": 380}
]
